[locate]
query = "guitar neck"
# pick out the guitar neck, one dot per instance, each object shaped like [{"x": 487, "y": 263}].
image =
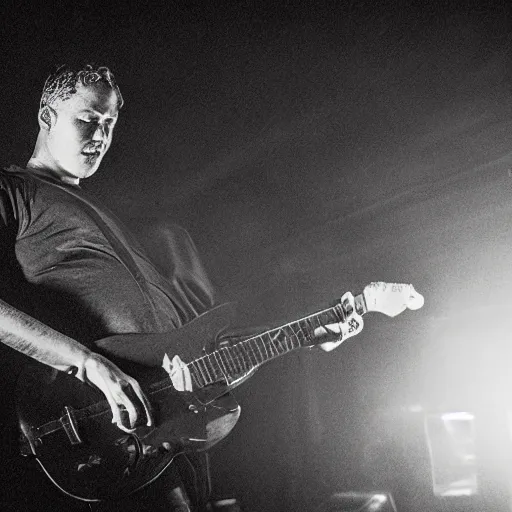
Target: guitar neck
[{"x": 232, "y": 363}]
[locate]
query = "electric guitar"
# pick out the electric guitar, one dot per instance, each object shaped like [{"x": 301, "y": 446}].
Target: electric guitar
[{"x": 66, "y": 425}]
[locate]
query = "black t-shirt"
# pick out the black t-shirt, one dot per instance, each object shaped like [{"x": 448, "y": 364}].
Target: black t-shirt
[
  {"x": 79, "y": 254},
  {"x": 72, "y": 264}
]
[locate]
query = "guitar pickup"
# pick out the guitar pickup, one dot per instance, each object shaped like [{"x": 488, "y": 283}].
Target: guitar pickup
[{"x": 69, "y": 424}]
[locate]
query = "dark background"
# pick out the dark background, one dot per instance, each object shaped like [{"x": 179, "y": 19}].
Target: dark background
[{"x": 311, "y": 148}]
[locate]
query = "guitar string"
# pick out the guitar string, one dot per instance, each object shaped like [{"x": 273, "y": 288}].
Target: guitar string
[
  {"x": 277, "y": 330},
  {"x": 102, "y": 405}
]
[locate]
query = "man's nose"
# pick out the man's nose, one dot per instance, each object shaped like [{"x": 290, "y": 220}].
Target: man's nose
[{"x": 100, "y": 134}]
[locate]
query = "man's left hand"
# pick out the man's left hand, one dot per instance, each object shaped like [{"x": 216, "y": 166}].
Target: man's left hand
[
  {"x": 391, "y": 299},
  {"x": 336, "y": 334}
]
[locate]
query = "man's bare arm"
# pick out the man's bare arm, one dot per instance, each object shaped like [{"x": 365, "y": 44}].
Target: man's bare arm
[
  {"x": 38, "y": 341},
  {"x": 42, "y": 343}
]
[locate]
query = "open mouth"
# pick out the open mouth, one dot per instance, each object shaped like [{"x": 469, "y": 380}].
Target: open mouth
[{"x": 91, "y": 155}]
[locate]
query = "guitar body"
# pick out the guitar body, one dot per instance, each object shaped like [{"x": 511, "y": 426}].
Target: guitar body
[{"x": 67, "y": 424}]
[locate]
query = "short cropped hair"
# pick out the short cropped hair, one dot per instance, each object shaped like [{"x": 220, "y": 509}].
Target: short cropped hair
[{"x": 61, "y": 83}]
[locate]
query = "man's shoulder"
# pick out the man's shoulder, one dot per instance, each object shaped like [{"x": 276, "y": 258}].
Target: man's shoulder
[
  {"x": 17, "y": 192},
  {"x": 14, "y": 171},
  {"x": 15, "y": 177}
]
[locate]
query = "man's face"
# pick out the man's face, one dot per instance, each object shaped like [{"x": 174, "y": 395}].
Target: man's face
[{"x": 82, "y": 132}]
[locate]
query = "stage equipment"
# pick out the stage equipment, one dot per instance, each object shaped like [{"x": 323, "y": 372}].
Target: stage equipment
[
  {"x": 451, "y": 443},
  {"x": 359, "y": 502},
  {"x": 225, "y": 505}
]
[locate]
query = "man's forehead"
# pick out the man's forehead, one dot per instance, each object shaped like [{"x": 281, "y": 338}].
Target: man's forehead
[{"x": 97, "y": 98}]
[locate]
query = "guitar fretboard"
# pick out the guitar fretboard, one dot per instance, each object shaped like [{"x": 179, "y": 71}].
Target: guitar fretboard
[{"x": 230, "y": 363}]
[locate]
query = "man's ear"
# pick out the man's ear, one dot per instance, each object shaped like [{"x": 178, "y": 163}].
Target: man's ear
[{"x": 47, "y": 117}]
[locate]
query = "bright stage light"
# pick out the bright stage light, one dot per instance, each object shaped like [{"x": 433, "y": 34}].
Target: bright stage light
[{"x": 457, "y": 416}]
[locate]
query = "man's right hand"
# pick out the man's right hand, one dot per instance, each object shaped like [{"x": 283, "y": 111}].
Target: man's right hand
[
  {"x": 40, "y": 342},
  {"x": 120, "y": 390}
]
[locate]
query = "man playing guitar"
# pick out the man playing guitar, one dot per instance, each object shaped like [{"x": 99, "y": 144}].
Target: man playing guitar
[{"x": 73, "y": 276}]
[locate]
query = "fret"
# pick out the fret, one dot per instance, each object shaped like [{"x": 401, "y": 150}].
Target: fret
[
  {"x": 209, "y": 369},
  {"x": 258, "y": 341},
  {"x": 336, "y": 314},
  {"x": 222, "y": 368},
  {"x": 312, "y": 323},
  {"x": 197, "y": 374},
  {"x": 236, "y": 356},
  {"x": 214, "y": 367},
  {"x": 298, "y": 333},
  {"x": 296, "y": 329},
  {"x": 285, "y": 344},
  {"x": 267, "y": 341},
  {"x": 195, "y": 377},
  {"x": 272, "y": 344},
  {"x": 224, "y": 353},
  {"x": 250, "y": 351},
  {"x": 234, "y": 360},
  {"x": 318, "y": 323},
  {"x": 285, "y": 334},
  {"x": 225, "y": 363},
  {"x": 255, "y": 339},
  {"x": 306, "y": 338},
  {"x": 277, "y": 344},
  {"x": 228, "y": 356},
  {"x": 290, "y": 333},
  {"x": 288, "y": 344},
  {"x": 266, "y": 358},
  {"x": 240, "y": 358},
  {"x": 201, "y": 372},
  {"x": 247, "y": 359},
  {"x": 329, "y": 316},
  {"x": 204, "y": 373}
]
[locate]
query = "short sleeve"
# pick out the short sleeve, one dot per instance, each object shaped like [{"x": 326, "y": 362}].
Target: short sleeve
[
  {"x": 8, "y": 214},
  {"x": 7, "y": 217},
  {"x": 17, "y": 190},
  {"x": 10, "y": 276}
]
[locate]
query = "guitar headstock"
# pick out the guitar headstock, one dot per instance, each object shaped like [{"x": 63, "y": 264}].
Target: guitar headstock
[{"x": 392, "y": 298}]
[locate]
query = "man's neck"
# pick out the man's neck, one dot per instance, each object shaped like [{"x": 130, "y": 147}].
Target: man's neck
[{"x": 38, "y": 167}]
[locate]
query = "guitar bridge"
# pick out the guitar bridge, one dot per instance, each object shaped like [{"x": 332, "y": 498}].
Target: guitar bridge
[{"x": 69, "y": 424}]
